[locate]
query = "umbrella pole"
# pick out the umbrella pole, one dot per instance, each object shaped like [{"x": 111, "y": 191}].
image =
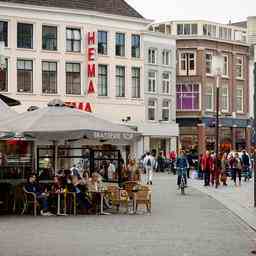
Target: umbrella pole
[{"x": 55, "y": 146}]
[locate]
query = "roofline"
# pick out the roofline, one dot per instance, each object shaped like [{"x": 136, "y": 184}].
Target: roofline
[
  {"x": 211, "y": 39},
  {"x": 158, "y": 34},
  {"x": 76, "y": 11},
  {"x": 197, "y": 21}
]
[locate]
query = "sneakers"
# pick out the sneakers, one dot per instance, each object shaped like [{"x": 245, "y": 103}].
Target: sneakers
[{"x": 46, "y": 213}]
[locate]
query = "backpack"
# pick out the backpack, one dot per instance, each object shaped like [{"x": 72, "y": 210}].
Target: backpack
[{"x": 148, "y": 163}]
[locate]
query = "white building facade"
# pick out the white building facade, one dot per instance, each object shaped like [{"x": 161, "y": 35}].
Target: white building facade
[{"x": 92, "y": 60}]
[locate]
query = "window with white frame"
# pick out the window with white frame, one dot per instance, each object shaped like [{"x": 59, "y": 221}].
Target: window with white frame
[
  {"x": 166, "y": 57},
  {"x": 166, "y": 110},
  {"x": 225, "y": 65},
  {"x": 73, "y": 78},
  {"x": 209, "y": 30},
  {"x": 4, "y": 78},
  {"x": 187, "y": 29},
  {"x": 208, "y": 63},
  {"x": 102, "y": 80},
  {"x": 4, "y": 32},
  {"x": 239, "y": 99},
  {"x": 152, "y": 110},
  {"x": 49, "y": 77},
  {"x": 25, "y": 75},
  {"x": 239, "y": 67},
  {"x": 152, "y": 81},
  {"x": 120, "y": 81},
  {"x": 166, "y": 82},
  {"x": 188, "y": 97},
  {"x": 187, "y": 63},
  {"x": 152, "y": 56},
  {"x": 135, "y": 82},
  {"x": 224, "y": 99},
  {"x": 73, "y": 39},
  {"x": 209, "y": 98}
]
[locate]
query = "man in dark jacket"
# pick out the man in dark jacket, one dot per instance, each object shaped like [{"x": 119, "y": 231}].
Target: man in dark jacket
[{"x": 32, "y": 186}]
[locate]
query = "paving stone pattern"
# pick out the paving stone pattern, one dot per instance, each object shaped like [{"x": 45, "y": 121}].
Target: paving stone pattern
[{"x": 191, "y": 225}]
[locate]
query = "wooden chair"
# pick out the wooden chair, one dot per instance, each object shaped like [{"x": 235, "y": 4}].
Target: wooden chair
[
  {"x": 29, "y": 198},
  {"x": 128, "y": 186},
  {"x": 118, "y": 197},
  {"x": 143, "y": 196}
]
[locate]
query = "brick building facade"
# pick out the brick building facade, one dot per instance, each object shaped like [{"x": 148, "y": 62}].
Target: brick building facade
[{"x": 198, "y": 42}]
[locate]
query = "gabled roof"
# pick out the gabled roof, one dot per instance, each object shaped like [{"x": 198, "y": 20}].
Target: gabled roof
[{"x": 117, "y": 7}]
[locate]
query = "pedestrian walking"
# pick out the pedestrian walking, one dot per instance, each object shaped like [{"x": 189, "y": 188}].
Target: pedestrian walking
[
  {"x": 207, "y": 165},
  {"x": 216, "y": 170},
  {"x": 224, "y": 169},
  {"x": 246, "y": 165},
  {"x": 149, "y": 164},
  {"x": 237, "y": 168}
]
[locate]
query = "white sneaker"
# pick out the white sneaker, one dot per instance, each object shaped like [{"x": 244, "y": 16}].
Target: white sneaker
[{"x": 46, "y": 213}]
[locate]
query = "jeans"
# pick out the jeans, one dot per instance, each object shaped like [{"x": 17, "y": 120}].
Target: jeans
[
  {"x": 149, "y": 174},
  {"x": 44, "y": 201},
  {"x": 206, "y": 177},
  {"x": 237, "y": 172},
  {"x": 179, "y": 179}
]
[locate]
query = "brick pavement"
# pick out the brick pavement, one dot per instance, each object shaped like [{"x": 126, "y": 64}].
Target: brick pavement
[
  {"x": 238, "y": 199},
  {"x": 191, "y": 225}
]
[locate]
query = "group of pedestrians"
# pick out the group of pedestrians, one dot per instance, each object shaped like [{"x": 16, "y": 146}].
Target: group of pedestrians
[{"x": 216, "y": 169}]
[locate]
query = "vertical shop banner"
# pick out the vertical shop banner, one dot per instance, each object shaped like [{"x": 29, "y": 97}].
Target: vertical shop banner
[{"x": 91, "y": 57}]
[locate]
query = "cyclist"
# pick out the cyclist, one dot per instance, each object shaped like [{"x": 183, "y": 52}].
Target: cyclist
[{"x": 182, "y": 166}]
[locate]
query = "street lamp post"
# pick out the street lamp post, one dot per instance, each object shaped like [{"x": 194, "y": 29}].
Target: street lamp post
[{"x": 218, "y": 63}]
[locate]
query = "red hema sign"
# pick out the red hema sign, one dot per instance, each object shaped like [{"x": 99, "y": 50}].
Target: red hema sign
[{"x": 91, "y": 52}]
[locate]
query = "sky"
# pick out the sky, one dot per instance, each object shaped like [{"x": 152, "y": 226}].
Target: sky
[{"x": 214, "y": 10}]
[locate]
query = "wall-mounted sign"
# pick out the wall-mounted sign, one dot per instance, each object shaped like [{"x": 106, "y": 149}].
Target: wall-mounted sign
[
  {"x": 91, "y": 54},
  {"x": 113, "y": 136},
  {"x": 85, "y": 106}
]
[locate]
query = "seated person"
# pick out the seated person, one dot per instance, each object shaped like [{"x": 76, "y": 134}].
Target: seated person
[
  {"x": 57, "y": 185},
  {"x": 42, "y": 197},
  {"x": 83, "y": 201}
]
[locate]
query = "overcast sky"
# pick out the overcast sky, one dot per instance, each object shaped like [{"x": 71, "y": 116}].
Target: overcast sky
[{"x": 213, "y": 10}]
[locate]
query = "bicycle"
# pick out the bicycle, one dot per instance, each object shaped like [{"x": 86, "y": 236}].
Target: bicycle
[{"x": 182, "y": 185}]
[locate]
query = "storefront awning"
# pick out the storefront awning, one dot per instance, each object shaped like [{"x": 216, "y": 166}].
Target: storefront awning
[{"x": 159, "y": 130}]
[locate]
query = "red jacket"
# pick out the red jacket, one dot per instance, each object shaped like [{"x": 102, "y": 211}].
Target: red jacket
[{"x": 204, "y": 163}]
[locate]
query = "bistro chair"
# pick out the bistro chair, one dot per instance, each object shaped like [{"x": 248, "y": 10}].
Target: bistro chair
[
  {"x": 129, "y": 186},
  {"x": 143, "y": 197},
  {"x": 118, "y": 197},
  {"x": 29, "y": 198},
  {"x": 18, "y": 198}
]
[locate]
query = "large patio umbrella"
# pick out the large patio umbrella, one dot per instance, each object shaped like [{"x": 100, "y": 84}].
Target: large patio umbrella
[
  {"x": 6, "y": 112},
  {"x": 9, "y": 101},
  {"x": 58, "y": 122}
]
